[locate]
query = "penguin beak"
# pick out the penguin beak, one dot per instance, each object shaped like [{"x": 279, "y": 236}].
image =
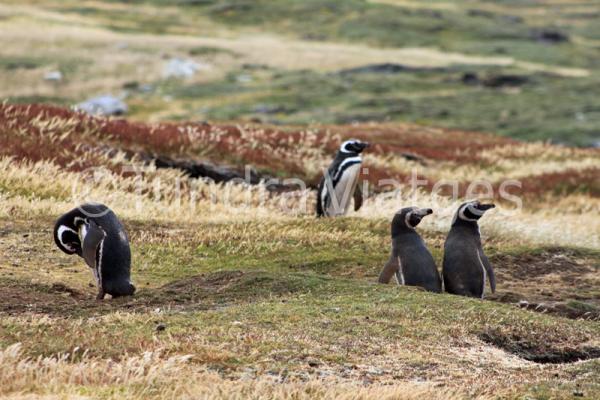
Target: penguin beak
[
  {"x": 485, "y": 207},
  {"x": 424, "y": 211},
  {"x": 363, "y": 145}
]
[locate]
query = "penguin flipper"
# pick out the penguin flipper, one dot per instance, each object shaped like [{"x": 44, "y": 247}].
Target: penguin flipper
[
  {"x": 358, "y": 198},
  {"x": 489, "y": 270},
  {"x": 95, "y": 235},
  {"x": 320, "y": 212},
  {"x": 389, "y": 270}
]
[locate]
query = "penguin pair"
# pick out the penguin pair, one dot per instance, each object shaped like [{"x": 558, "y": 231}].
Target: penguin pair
[
  {"x": 339, "y": 183},
  {"x": 466, "y": 269},
  {"x": 93, "y": 232}
]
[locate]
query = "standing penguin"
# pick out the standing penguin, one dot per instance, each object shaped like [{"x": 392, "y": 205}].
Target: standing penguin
[
  {"x": 410, "y": 260},
  {"x": 94, "y": 232},
  {"x": 339, "y": 182},
  {"x": 466, "y": 269}
]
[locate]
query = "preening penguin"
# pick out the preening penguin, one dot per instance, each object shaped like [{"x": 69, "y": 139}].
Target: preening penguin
[
  {"x": 410, "y": 260},
  {"x": 338, "y": 184},
  {"x": 466, "y": 269},
  {"x": 94, "y": 232}
]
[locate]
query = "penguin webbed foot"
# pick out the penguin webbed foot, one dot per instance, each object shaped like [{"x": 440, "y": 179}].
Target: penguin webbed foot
[{"x": 100, "y": 296}]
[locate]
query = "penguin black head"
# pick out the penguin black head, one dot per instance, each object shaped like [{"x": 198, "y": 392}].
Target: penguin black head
[
  {"x": 66, "y": 234},
  {"x": 67, "y": 227},
  {"x": 408, "y": 218},
  {"x": 353, "y": 146},
  {"x": 470, "y": 212}
]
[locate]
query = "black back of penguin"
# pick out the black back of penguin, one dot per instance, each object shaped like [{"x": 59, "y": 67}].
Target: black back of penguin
[
  {"x": 411, "y": 261},
  {"x": 113, "y": 253},
  {"x": 466, "y": 269},
  {"x": 347, "y": 156}
]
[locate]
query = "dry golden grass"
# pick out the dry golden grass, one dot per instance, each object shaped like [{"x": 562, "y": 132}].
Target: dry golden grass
[
  {"x": 45, "y": 189},
  {"x": 153, "y": 376}
]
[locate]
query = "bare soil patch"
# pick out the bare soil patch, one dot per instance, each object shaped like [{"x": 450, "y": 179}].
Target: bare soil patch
[
  {"x": 558, "y": 281},
  {"x": 205, "y": 291}
]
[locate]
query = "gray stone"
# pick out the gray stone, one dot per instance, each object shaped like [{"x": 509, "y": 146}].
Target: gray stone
[
  {"x": 180, "y": 68},
  {"x": 103, "y": 105},
  {"x": 54, "y": 76}
]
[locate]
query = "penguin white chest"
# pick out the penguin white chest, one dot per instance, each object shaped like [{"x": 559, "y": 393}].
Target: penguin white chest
[{"x": 343, "y": 191}]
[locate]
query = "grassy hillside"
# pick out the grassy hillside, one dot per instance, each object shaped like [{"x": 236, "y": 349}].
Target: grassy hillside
[
  {"x": 524, "y": 69},
  {"x": 251, "y": 299}
]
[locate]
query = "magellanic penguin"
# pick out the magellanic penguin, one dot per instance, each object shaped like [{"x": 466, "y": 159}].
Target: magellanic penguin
[
  {"x": 338, "y": 184},
  {"x": 94, "y": 232},
  {"x": 466, "y": 269},
  {"x": 410, "y": 260}
]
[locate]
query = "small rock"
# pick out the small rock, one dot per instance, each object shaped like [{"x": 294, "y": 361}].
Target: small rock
[
  {"x": 180, "y": 68},
  {"x": 374, "y": 371},
  {"x": 244, "y": 78},
  {"x": 54, "y": 76},
  {"x": 236, "y": 323},
  {"x": 103, "y": 105},
  {"x": 580, "y": 117}
]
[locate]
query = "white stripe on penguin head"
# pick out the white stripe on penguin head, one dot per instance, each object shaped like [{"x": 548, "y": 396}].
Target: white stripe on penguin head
[
  {"x": 407, "y": 219},
  {"x": 61, "y": 230},
  {"x": 461, "y": 213},
  {"x": 474, "y": 210},
  {"x": 346, "y": 143}
]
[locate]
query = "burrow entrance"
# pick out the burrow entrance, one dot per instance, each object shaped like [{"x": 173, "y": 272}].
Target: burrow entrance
[{"x": 538, "y": 351}]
